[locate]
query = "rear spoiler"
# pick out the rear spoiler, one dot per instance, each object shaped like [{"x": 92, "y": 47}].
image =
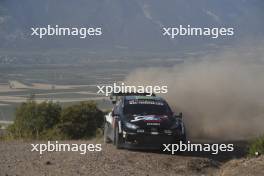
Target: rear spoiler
[{"x": 115, "y": 96}]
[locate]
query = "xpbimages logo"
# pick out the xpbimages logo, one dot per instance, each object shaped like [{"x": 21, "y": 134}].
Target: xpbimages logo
[
  {"x": 56, "y": 30},
  {"x": 181, "y": 30},
  {"x": 190, "y": 147},
  {"x": 123, "y": 88},
  {"x": 60, "y": 147}
]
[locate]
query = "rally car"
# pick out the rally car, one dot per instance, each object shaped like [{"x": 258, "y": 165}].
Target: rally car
[{"x": 142, "y": 121}]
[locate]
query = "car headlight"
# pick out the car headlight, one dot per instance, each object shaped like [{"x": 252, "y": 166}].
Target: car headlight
[{"x": 131, "y": 126}]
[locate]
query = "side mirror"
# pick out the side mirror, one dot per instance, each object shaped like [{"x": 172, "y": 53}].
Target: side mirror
[
  {"x": 113, "y": 114},
  {"x": 113, "y": 99},
  {"x": 177, "y": 115}
]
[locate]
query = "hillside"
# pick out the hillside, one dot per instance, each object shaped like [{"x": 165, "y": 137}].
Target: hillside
[{"x": 128, "y": 25}]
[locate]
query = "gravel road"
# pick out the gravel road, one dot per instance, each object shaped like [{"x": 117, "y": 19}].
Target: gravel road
[{"x": 17, "y": 159}]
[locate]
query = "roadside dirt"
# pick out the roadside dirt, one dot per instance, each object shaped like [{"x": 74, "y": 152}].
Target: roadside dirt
[{"x": 16, "y": 158}]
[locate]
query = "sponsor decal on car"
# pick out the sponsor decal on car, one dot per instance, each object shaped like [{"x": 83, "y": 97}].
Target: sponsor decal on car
[
  {"x": 153, "y": 124},
  {"x": 149, "y": 119},
  {"x": 159, "y": 103}
]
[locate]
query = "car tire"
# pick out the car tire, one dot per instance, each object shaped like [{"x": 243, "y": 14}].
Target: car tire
[
  {"x": 106, "y": 138},
  {"x": 118, "y": 139},
  {"x": 184, "y": 139}
]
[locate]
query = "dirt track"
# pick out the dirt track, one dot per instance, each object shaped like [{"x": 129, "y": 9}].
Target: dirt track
[{"x": 17, "y": 159}]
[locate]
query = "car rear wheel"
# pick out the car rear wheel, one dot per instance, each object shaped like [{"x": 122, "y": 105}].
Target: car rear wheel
[{"x": 106, "y": 138}]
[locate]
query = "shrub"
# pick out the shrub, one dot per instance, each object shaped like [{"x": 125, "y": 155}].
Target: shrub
[
  {"x": 257, "y": 146},
  {"x": 48, "y": 121},
  {"x": 81, "y": 121},
  {"x": 33, "y": 119},
  {"x": 53, "y": 134}
]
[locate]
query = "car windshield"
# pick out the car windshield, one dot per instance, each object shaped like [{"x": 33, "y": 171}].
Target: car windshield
[{"x": 146, "y": 107}]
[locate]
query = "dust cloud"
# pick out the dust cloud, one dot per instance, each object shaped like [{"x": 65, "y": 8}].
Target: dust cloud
[{"x": 221, "y": 97}]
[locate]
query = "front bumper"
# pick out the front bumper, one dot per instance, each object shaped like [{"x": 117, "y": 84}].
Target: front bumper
[{"x": 149, "y": 140}]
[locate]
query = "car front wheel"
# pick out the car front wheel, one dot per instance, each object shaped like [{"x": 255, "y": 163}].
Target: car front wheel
[
  {"x": 106, "y": 138},
  {"x": 118, "y": 139}
]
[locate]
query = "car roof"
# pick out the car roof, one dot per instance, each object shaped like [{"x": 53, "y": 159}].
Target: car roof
[{"x": 133, "y": 97}]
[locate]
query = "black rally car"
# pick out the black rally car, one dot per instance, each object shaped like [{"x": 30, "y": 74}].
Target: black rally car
[{"x": 141, "y": 121}]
